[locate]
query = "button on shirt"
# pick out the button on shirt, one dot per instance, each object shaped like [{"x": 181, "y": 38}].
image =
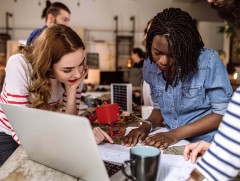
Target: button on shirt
[{"x": 207, "y": 91}]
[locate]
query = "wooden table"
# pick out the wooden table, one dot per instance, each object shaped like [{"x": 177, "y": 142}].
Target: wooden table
[{"x": 20, "y": 168}]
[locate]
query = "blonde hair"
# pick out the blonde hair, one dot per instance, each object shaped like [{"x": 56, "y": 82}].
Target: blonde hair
[{"x": 48, "y": 49}]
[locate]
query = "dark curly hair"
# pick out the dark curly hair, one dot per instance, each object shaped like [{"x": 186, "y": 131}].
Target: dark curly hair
[
  {"x": 183, "y": 38},
  {"x": 228, "y": 9}
]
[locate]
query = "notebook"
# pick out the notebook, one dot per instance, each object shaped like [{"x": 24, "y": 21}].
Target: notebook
[{"x": 61, "y": 141}]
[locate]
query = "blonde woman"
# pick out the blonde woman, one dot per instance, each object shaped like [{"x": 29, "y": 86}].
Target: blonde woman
[{"x": 46, "y": 75}]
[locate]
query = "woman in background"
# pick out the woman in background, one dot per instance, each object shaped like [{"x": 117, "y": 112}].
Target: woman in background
[
  {"x": 47, "y": 75},
  {"x": 136, "y": 76},
  {"x": 137, "y": 57}
]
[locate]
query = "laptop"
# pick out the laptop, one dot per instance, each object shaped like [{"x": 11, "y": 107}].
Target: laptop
[{"x": 61, "y": 141}]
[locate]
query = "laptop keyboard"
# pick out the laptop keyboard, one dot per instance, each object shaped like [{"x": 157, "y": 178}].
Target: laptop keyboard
[{"x": 112, "y": 168}]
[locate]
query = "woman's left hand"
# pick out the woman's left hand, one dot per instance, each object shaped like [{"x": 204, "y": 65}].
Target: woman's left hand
[
  {"x": 101, "y": 135},
  {"x": 161, "y": 140}
]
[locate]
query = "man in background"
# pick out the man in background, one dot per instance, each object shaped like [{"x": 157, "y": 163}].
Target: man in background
[{"x": 54, "y": 13}]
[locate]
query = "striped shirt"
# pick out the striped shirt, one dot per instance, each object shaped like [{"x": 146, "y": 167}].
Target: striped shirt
[
  {"x": 15, "y": 90},
  {"x": 222, "y": 160}
]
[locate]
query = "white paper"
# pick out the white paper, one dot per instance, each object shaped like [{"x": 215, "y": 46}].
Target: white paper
[
  {"x": 172, "y": 167},
  {"x": 118, "y": 153},
  {"x": 114, "y": 153}
]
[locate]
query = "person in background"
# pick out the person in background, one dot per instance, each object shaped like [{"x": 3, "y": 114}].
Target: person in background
[
  {"x": 47, "y": 75},
  {"x": 137, "y": 57},
  {"x": 55, "y": 13},
  {"x": 135, "y": 76},
  {"x": 189, "y": 84},
  {"x": 221, "y": 159},
  {"x": 227, "y": 9}
]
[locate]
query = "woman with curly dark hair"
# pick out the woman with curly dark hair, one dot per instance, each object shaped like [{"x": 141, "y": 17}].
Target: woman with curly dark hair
[
  {"x": 190, "y": 88},
  {"x": 227, "y": 9}
]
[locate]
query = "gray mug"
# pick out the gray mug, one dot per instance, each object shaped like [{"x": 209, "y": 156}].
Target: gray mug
[{"x": 143, "y": 163}]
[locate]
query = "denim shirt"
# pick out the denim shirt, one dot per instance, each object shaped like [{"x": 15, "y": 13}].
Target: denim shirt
[
  {"x": 35, "y": 34},
  {"x": 208, "y": 91}
]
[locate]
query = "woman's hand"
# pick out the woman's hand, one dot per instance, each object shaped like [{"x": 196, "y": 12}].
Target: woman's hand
[
  {"x": 101, "y": 135},
  {"x": 71, "y": 91},
  {"x": 161, "y": 140},
  {"x": 193, "y": 150},
  {"x": 136, "y": 135}
]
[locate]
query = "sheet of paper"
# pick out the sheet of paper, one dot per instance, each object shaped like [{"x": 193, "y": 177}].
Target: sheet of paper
[
  {"x": 113, "y": 152},
  {"x": 172, "y": 167},
  {"x": 119, "y": 153}
]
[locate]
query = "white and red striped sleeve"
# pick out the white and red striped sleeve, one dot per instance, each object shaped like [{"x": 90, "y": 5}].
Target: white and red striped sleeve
[{"x": 15, "y": 88}]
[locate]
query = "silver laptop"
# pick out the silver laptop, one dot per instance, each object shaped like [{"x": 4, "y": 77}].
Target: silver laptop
[{"x": 61, "y": 141}]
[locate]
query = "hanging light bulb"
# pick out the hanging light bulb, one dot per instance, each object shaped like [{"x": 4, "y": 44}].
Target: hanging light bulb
[
  {"x": 39, "y": 3},
  {"x": 78, "y": 3}
]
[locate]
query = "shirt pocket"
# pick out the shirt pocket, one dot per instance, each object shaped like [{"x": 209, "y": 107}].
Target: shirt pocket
[
  {"x": 191, "y": 97},
  {"x": 157, "y": 96}
]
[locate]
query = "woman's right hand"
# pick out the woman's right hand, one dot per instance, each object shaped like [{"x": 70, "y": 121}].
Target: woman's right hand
[
  {"x": 193, "y": 150},
  {"x": 137, "y": 135}
]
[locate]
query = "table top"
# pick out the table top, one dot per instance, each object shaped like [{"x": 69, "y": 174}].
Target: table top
[{"x": 19, "y": 167}]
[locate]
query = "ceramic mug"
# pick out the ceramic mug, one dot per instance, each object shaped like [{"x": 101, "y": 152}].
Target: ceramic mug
[{"x": 143, "y": 163}]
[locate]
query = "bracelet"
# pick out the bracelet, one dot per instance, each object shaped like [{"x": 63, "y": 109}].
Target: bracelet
[{"x": 151, "y": 123}]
